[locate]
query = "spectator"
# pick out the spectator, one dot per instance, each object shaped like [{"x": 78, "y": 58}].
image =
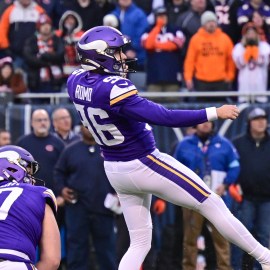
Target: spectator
[
  {"x": 245, "y": 12},
  {"x": 175, "y": 8},
  {"x": 18, "y": 23},
  {"x": 62, "y": 124},
  {"x": 5, "y": 137},
  {"x": 226, "y": 12},
  {"x": 251, "y": 57},
  {"x": 163, "y": 44},
  {"x": 133, "y": 23},
  {"x": 53, "y": 8},
  {"x": 148, "y": 7},
  {"x": 44, "y": 54},
  {"x": 107, "y": 6},
  {"x": 190, "y": 21},
  {"x": 82, "y": 182},
  {"x": 208, "y": 47},
  {"x": 70, "y": 30},
  {"x": 254, "y": 150},
  {"x": 215, "y": 160},
  {"x": 43, "y": 144},
  {"x": 11, "y": 81},
  {"x": 90, "y": 12},
  {"x": 27, "y": 214},
  {"x": 261, "y": 26}
]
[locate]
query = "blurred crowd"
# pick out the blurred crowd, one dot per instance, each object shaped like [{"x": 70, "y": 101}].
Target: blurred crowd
[{"x": 181, "y": 45}]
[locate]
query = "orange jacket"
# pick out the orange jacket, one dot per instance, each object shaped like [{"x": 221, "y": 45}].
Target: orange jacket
[
  {"x": 15, "y": 15},
  {"x": 151, "y": 41},
  {"x": 209, "y": 57}
]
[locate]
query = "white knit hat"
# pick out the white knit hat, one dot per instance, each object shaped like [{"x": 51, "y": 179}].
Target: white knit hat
[
  {"x": 208, "y": 16},
  {"x": 110, "y": 20}
]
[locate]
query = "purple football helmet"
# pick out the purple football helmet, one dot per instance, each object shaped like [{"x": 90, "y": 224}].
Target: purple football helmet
[
  {"x": 17, "y": 164},
  {"x": 96, "y": 49}
]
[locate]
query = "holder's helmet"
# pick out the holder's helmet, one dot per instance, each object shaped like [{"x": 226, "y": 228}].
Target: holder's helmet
[
  {"x": 96, "y": 49},
  {"x": 17, "y": 164}
]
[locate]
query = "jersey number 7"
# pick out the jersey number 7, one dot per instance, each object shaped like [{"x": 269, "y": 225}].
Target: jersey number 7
[{"x": 8, "y": 196}]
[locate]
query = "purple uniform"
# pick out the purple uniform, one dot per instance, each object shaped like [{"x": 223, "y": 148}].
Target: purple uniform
[
  {"x": 116, "y": 115},
  {"x": 22, "y": 208}
]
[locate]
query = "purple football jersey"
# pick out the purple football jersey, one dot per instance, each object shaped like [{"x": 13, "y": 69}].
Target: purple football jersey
[
  {"x": 118, "y": 118},
  {"x": 22, "y": 208}
]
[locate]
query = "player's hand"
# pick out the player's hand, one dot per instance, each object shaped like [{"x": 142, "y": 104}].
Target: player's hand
[
  {"x": 228, "y": 112},
  {"x": 159, "y": 207}
]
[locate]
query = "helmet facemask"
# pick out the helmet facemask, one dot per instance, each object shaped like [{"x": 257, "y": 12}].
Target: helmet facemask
[{"x": 120, "y": 66}]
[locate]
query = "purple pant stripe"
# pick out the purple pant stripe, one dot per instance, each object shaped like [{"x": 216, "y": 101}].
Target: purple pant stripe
[{"x": 174, "y": 175}]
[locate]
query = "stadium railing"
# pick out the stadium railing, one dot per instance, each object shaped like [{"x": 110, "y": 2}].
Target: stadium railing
[
  {"x": 58, "y": 98},
  {"x": 17, "y": 117}
]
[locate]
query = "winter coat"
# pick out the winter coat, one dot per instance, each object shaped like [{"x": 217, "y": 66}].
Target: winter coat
[{"x": 209, "y": 57}]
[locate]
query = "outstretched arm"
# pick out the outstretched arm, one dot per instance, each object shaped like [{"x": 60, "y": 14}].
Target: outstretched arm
[
  {"x": 143, "y": 110},
  {"x": 50, "y": 243}
]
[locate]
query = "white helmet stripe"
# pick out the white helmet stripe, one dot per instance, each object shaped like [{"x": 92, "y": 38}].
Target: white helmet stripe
[
  {"x": 94, "y": 45},
  {"x": 12, "y": 157}
]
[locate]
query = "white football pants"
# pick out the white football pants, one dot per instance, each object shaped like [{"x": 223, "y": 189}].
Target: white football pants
[
  {"x": 9, "y": 265},
  {"x": 160, "y": 174}
]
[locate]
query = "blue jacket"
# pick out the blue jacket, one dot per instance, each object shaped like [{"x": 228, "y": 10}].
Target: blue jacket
[
  {"x": 217, "y": 154},
  {"x": 133, "y": 25}
]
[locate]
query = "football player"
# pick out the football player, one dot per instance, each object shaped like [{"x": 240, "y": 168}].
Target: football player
[
  {"x": 27, "y": 215},
  {"x": 118, "y": 118}
]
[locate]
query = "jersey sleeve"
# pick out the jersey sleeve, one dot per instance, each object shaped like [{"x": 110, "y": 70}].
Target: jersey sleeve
[
  {"x": 50, "y": 199},
  {"x": 121, "y": 90},
  {"x": 124, "y": 100},
  {"x": 143, "y": 110}
]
